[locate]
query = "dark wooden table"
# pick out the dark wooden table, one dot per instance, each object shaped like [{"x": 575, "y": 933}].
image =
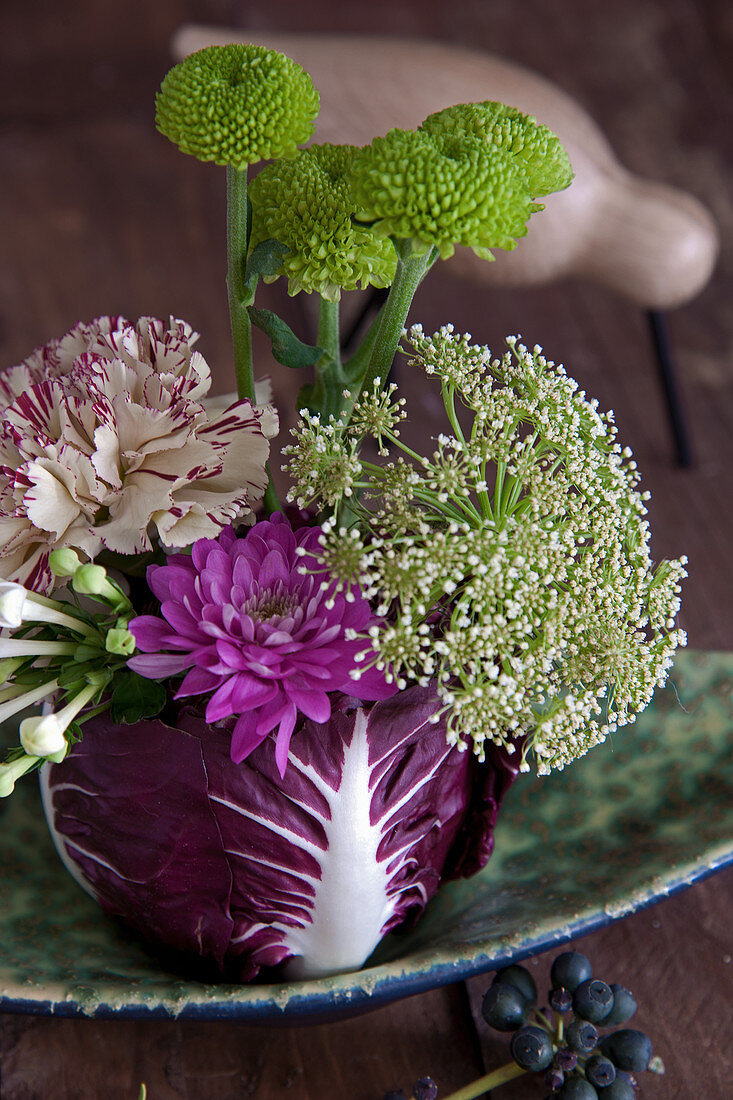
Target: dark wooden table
[{"x": 99, "y": 214}]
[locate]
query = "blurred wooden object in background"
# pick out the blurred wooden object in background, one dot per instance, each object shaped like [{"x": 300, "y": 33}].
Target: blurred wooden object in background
[{"x": 652, "y": 243}]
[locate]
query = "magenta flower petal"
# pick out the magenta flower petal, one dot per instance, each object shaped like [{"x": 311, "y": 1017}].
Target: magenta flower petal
[
  {"x": 244, "y": 738},
  {"x": 270, "y": 717},
  {"x": 150, "y": 634},
  {"x": 219, "y": 705},
  {"x": 196, "y": 682},
  {"x": 179, "y": 617},
  {"x": 249, "y": 693},
  {"x": 267, "y": 640},
  {"x": 155, "y": 666},
  {"x": 282, "y": 743},
  {"x": 311, "y": 702}
]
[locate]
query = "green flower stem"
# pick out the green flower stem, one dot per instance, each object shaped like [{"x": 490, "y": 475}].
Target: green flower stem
[
  {"x": 328, "y": 329},
  {"x": 411, "y": 269},
  {"x": 236, "y": 256},
  {"x": 490, "y": 1081},
  {"x": 271, "y": 501},
  {"x": 330, "y": 378},
  {"x": 449, "y": 401},
  {"x": 237, "y": 217}
]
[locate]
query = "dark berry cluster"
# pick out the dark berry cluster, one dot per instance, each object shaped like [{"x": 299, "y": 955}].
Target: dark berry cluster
[{"x": 565, "y": 1045}]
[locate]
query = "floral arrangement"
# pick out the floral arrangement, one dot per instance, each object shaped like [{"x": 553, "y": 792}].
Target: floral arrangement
[{"x": 499, "y": 585}]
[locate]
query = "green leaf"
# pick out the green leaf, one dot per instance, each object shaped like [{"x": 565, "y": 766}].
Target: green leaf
[
  {"x": 265, "y": 259},
  {"x": 134, "y": 697},
  {"x": 286, "y": 347},
  {"x": 73, "y": 676}
]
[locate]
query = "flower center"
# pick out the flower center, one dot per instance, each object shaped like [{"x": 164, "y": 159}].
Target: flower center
[{"x": 271, "y": 603}]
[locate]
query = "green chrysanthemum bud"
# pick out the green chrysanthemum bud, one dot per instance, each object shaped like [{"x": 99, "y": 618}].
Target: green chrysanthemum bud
[
  {"x": 441, "y": 190},
  {"x": 539, "y": 151},
  {"x": 236, "y": 105},
  {"x": 307, "y": 204}
]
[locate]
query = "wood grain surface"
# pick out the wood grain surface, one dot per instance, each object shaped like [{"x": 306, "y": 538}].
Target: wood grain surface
[{"x": 99, "y": 214}]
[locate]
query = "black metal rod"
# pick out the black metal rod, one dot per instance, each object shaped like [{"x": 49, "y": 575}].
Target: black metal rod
[{"x": 667, "y": 374}]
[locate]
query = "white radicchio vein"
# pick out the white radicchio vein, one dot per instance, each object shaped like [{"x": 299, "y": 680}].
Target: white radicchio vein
[{"x": 352, "y": 901}]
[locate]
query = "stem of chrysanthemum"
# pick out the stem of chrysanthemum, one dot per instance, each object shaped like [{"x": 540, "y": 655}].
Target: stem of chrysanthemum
[
  {"x": 328, "y": 392},
  {"x": 490, "y": 1081},
  {"x": 236, "y": 257},
  {"x": 411, "y": 269},
  {"x": 328, "y": 328},
  {"x": 271, "y": 501}
]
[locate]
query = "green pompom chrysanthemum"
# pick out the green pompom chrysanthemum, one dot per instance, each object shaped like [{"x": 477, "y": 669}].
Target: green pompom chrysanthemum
[
  {"x": 236, "y": 105},
  {"x": 306, "y": 204},
  {"x": 537, "y": 148},
  {"x": 440, "y": 190}
]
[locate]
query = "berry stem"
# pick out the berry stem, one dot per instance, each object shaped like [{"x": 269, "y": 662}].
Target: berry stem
[
  {"x": 236, "y": 256},
  {"x": 490, "y": 1081},
  {"x": 542, "y": 1020}
]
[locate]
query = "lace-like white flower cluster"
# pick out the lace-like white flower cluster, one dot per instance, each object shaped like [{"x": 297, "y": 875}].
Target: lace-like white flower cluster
[{"x": 512, "y": 565}]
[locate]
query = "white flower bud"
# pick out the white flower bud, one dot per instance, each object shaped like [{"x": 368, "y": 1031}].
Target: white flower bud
[
  {"x": 12, "y": 604},
  {"x": 42, "y": 735}
]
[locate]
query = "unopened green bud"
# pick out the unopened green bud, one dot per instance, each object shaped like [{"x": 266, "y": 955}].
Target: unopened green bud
[
  {"x": 120, "y": 641},
  {"x": 64, "y": 561},
  {"x": 92, "y": 580}
]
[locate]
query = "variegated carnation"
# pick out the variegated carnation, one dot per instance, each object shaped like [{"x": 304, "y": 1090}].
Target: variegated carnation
[{"x": 106, "y": 440}]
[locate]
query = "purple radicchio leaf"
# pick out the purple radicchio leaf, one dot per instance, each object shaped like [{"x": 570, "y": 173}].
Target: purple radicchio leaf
[{"x": 374, "y": 812}]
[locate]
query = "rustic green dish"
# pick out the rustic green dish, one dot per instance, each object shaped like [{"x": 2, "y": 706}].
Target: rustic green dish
[{"x": 634, "y": 821}]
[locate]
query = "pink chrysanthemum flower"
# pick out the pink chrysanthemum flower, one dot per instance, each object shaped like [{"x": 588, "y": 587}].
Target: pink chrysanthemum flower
[
  {"x": 259, "y": 626},
  {"x": 107, "y": 438}
]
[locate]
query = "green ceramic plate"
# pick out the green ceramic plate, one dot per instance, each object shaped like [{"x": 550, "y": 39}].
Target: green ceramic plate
[{"x": 634, "y": 821}]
